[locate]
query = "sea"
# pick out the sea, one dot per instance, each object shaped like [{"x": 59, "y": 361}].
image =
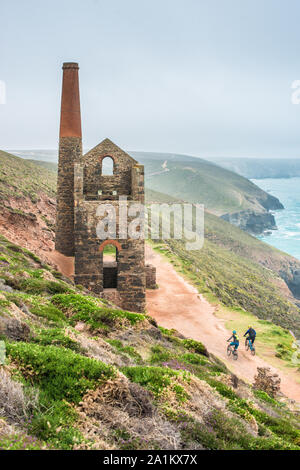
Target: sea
[{"x": 287, "y": 190}]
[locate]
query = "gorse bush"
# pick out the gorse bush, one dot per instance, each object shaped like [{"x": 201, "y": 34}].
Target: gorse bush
[
  {"x": 91, "y": 311},
  {"x": 39, "y": 286},
  {"x": 157, "y": 379},
  {"x": 49, "y": 311},
  {"x": 159, "y": 354},
  {"x": 61, "y": 373},
  {"x": 56, "y": 337},
  {"x": 63, "y": 377},
  {"x": 129, "y": 350},
  {"x": 195, "y": 346}
]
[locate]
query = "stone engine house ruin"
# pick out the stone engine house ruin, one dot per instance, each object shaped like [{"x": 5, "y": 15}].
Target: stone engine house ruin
[{"x": 83, "y": 189}]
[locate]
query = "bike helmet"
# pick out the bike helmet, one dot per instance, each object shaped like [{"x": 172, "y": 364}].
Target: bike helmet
[
  {"x": 234, "y": 332},
  {"x": 249, "y": 326}
]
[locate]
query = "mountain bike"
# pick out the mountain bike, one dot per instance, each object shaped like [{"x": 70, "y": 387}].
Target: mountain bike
[
  {"x": 249, "y": 345},
  {"x": 233, "y": 351}
]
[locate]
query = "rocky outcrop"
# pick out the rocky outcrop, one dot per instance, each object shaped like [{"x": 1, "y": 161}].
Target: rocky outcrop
[
  {"x": 270, "y": 203},
  {"x": 291, "y": 275},
  {"x": 251, "y": 221},
  {"x": 14, "y": 329},
  {"x": 267, "y": 381},
  {"x": 30, "y": 224}
]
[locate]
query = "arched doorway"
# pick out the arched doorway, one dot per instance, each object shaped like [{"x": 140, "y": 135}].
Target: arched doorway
[{"x": 110, "y": 250}]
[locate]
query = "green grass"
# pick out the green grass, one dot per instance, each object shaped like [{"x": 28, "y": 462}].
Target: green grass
[
  {"x": 61, "y": 373},
  {"x": 157, "y": 379},
  {"x": 63, "y": 377},
  {"x": 272, "y": 341},
  {"x": 128, "y": 350},
  {"x": 55, "y": 337},
  {"x": 21, "y": 178},
  {"x": 20, "y": 442},
  {"x": 90, "y": 310}
]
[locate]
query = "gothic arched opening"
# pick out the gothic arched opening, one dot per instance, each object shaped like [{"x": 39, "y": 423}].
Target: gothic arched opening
[{"x": 107, "y": 166}]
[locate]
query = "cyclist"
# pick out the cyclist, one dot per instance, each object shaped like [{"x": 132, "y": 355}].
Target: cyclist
[
  {"x": 251, "y": 335},
  {"x": 235, "y": 341}
]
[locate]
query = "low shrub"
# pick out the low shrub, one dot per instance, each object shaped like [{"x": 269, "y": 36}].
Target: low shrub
[
  {"x": 40, "y": 286},
  {"x": 56, "y": 337},
  {"x": 159, "y": 354},
  {"x": 157, "y": 379},
  {"x": 48, "y": 311},
  {"x": 61, "y": 373},
  {"x": 20, "y": 442},
  {"x": 89, "y": 310},
  {"x": 222, "y": 388},
  {"x": 118, "y": 345},
  {"x": 195, "y": 346},
  {"x": 16, "y": 401}
]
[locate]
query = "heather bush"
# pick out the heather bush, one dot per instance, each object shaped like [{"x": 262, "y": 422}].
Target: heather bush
[{"x": 16, "y": 401}]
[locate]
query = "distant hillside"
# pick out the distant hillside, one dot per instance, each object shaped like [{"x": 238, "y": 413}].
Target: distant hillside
[
  {"x": 48, "y": 165},
  {"x": 262, "y": 167},
  {"x": 19, "y": 178},
  {"x": 187, "y": 178},
  {"x": 196, "y": 180}
]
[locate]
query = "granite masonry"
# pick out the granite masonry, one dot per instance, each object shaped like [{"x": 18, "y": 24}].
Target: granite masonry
[{"x": 83, "y": 190}]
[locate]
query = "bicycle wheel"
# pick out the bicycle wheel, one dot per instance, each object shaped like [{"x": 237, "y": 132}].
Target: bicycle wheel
[
  {"x": 235, "y": 355},
  {"x": 229, "y": 350},
  {"x": 247, "y": 345},
  {"x": 253, "y": 351}
]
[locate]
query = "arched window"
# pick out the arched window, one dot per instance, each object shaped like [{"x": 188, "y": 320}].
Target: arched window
[
  {"x": 107, "y": 166},
  {"x": 109, "y": 254}
]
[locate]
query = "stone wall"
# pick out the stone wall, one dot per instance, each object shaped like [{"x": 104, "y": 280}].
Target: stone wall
[
  {"x": 150, "y": 276},
  {"x": 131, "y": 279},
  {"x": 119, "y": 182},
  {"x": 70, "y": 150}
]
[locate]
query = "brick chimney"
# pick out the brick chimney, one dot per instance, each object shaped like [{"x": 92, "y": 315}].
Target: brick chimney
[{"x": 70, "y": 151}]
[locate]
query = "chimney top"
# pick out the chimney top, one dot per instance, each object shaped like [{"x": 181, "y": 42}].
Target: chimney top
[
  {"x": 70, "y": 120},
  {"x": 70, "y": 65}
]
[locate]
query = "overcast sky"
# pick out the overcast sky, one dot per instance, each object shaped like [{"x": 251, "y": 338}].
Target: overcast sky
[{"x": 200, "y": 77}]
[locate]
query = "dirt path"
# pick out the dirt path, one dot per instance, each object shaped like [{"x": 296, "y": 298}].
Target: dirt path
[
  {"x": 64, "y": 263},
  {"x": 177, "y": 304}
]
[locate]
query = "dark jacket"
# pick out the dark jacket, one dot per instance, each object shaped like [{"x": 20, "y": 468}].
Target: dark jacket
[{"x": 251, "y": 332}]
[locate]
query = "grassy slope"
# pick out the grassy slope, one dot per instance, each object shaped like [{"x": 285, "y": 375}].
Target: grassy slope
[
  {"x": 19, "y": 178},
  {"x": 196, "y": 180},
  {"x": 147, "y": 387}
]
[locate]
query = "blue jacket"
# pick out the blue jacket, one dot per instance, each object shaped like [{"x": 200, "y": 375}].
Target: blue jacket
[{"x": 251, "y": 332}]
